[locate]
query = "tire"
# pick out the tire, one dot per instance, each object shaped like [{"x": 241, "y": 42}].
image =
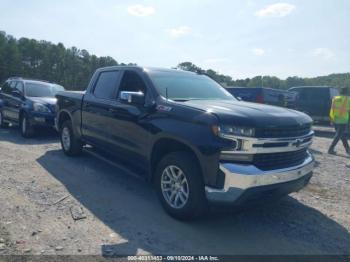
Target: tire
[
  {"x": 71, "y": 146},
  {"x": 195, "y": 204},
  {"x": 27, "y": 130},
  {"x": 3, "y": 124}
]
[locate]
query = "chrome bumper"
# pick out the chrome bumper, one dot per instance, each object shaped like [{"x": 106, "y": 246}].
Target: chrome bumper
[{"x": 239, "y": 178}]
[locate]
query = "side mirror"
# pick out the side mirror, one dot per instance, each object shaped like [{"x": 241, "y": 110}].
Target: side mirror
[
  {"x": 17, "y": 93},
  {"x": 137, "y": 98}
]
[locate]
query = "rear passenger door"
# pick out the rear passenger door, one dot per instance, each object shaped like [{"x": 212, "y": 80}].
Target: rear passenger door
[{"x": 96, "y": 108}]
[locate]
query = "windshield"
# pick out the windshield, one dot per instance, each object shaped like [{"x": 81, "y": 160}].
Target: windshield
[
  {"x": 181, "y": 86},
  {"x": 42, "y": 90}
]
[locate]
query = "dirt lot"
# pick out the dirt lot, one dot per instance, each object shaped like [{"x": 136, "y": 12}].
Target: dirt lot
[{"x": 39, "y": 187}]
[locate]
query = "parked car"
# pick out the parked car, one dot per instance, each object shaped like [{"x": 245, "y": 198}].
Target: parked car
[
  {"x": 189, "y": 136},
  {"x": 315, "y": 101},
  {"x": 264, "y": 95},
  {"x": 29, "y": 103}
]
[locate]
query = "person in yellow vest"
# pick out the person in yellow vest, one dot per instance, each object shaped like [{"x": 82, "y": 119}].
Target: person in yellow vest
[{"x": 339, "y": 116}]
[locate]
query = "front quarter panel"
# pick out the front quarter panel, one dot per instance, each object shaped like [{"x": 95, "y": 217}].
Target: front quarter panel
[{"x": 191, "y": 127}]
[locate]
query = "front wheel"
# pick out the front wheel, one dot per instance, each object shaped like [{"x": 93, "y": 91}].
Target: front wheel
[
  {"x": 27, "y": 129},
  {"x": 180, "y": 186},
  {"x": 71, "y": 146}
]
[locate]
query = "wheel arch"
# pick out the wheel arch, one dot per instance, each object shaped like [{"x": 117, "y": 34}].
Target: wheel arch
[
  {"x": 62, "y": 117},
  {"x": 166, "y": 145}
]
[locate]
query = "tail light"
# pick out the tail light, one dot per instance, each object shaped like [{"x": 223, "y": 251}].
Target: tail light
[{"x": 260, "y": 99}]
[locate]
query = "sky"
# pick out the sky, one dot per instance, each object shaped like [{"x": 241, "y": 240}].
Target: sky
[{"x": 239, "y": 38}]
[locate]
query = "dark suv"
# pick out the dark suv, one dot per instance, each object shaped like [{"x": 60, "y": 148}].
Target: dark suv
[
  {"x": 29, "y": 103},
  {"x": 315, "y": 101}
]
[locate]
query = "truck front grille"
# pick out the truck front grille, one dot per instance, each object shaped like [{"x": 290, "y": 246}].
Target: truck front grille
[
  {"x": 280, "y": 160},
  {"x": 281, "y": 132}
]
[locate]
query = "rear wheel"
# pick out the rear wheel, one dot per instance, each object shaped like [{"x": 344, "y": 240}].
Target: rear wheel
[
  {"x": 27, "y": 130},
  {"x": 71, "y": 146},
  {"x": 2, "y": 122},
  {"x": 180, "y": 186}
]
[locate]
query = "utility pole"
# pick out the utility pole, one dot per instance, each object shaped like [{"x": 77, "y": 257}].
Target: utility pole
[{"x": 262, "y": 81}]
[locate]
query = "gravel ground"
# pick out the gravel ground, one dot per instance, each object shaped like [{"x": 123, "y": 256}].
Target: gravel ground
[{"x": 118, "y": 214}]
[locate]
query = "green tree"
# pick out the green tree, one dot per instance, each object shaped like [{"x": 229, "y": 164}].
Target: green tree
[{"x": 30, "y": 58}]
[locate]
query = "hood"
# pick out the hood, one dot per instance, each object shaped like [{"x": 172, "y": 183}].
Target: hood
[
  {"x": 250, "y": 114},
  {"x": 50, "y": 102},
  {"x": 44, "y": 100}
]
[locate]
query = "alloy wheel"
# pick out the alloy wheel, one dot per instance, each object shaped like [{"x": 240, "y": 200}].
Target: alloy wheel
[
  {"x": 174, "y": 186},
  {"x": 66, "y": 138}
]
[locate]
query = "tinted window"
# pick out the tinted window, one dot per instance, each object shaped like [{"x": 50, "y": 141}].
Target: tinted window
[
  {"x": 41, "y": 89},
  {"x": 106, "y": 84},
  {"x": 6, "y": 88},
  {"x": 246, "y": 94},
  {"x": 315, "y": 94},
  {"x": 20, "y": 87},
  {"x": 13, "y": 84},
  {"x": 132, "y": 82},
  {"x": 188, "y": 86},
  {"x": 334, "y": 92}
]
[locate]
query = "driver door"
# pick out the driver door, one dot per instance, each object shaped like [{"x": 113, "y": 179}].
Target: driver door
[{"x": 128, "y": 121}]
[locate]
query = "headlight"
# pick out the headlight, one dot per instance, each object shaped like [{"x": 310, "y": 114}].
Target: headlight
[
  {"x": 226, "y": 131},
  {"x": 40, "y": 108}
]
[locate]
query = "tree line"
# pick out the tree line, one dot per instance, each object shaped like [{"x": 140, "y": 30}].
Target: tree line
[
  {"x": 73, "y": 68},
  {"x": 69, "y": 67},
  {"x": 334, "y": 80}
]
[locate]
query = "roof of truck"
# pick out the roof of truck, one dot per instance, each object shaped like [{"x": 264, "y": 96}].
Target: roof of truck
[{"x": 142, "y": 68}]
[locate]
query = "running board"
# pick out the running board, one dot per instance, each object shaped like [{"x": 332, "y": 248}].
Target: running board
[{"x": 120, "y": 166}]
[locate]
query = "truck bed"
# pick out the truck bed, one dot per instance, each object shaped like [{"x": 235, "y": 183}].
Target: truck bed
[{"x": 71, "y": 102}]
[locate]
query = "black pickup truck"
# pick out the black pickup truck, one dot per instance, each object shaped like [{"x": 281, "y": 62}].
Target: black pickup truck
[{"x": 187, "y": 135}]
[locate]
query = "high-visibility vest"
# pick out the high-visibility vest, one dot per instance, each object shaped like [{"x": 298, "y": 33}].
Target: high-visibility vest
[{"x": 339, "y": 113}]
